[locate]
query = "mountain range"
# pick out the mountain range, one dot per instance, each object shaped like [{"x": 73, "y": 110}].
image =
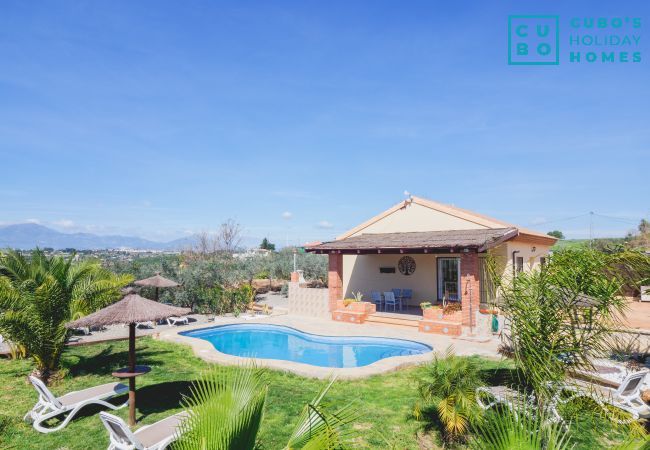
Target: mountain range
[{"x": 26, "y": 236}]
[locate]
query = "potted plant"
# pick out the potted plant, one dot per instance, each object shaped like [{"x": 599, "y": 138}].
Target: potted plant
[
  {"x": 356, "y": 304},
  {"x": 356, "y": 297}
]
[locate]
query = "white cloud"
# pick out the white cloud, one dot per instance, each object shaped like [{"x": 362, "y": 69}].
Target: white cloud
[
  {"x": 538, "y": 221},
  {"x": 33, "y": 221},
  {"x": 325, "y": 224},
  {"x": 64, "y": 223},
  {"x": 287, "y": 215}
]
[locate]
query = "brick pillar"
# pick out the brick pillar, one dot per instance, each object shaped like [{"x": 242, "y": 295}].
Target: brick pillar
[
  {"x": 470, "y": 286},
  {"x": 335, "y": 279}
]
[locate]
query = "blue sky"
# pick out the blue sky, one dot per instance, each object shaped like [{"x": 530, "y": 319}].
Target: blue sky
[{"x": 302, "y": 119}]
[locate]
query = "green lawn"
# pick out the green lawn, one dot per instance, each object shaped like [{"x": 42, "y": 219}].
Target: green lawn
[{"x": 384, "y": 401}]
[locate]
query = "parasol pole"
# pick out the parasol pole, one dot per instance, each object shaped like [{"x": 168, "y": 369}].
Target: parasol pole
[{"x": 132, "y": 370}]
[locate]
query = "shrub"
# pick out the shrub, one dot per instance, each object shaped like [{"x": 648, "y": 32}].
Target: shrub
[{"x": 447, "y": 390}]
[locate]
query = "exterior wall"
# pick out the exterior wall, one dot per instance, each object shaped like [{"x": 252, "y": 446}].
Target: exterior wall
[
  {"x": 335, "y": 280},
  {"x": 531, "y": 258},
  {"x": 361, "y": 273},
  {"x": 309, "y": 302},
  {"x": 419, "y": 218},
  {"x": 504, "y": 259}
]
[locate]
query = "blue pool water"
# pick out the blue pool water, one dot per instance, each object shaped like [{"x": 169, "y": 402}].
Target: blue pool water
[{"x": 277, "y": 342}]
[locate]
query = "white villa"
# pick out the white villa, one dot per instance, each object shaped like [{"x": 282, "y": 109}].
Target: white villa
[{"x": 426, "y": 251}]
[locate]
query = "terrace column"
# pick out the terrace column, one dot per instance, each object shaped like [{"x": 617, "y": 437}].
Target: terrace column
[
  {"x": 470, "y": 287},
  {"x": 335, "y": 279}
]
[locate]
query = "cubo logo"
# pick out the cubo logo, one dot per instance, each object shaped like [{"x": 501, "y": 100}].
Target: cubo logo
[{"x": 533, "y": 40}]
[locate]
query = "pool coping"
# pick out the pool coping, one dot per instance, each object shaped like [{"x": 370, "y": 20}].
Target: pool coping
[{"x": 206, "y": 351}]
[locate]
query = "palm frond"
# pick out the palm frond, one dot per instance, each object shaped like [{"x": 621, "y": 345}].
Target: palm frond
[
  {"x": 525, "y": 431},
  {"x": 226, "y": 409},
  {"x": 318, "y": 428}
]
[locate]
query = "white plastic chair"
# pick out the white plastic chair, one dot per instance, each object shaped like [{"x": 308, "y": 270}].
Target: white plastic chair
[
  {"x": 156, "y": 436},
  {"x": 49, "y": 406}
]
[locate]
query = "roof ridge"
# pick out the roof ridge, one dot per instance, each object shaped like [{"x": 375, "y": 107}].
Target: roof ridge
[
  {"x": 429, "y": 203},
  {"x": 465, "y": 214}
]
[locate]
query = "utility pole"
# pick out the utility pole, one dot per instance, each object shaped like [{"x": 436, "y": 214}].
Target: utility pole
[{"x": 591, "y": 227}]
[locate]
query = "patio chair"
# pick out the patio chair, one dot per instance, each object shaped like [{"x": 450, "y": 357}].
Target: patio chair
[
  {"x": 492, "y": 396},
  {"x": 375, "y": 297},
  {"x": 627, "y": 397},
  {"x": 176, "y": 320},
  {"x": 49, "y": 406},
  {"x": 156, "y": 436},
  {"x": 147, "y": 324},
  {"x": 398, "y": 296},
  {"x": 389, "y": 299},
  {"x": 407, "y": 294}
]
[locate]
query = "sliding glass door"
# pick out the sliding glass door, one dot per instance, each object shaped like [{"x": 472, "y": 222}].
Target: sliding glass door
[{"x": 449, "y": 278}]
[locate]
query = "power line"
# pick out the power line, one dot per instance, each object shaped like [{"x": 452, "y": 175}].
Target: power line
[
  {"x": 591, "y": 213},
  {"x": 620, "y": 219},
  {"x": 558, "y": 220}
]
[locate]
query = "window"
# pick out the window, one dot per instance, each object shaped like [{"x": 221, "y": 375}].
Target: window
[
  {"x": 520, "y": 264},
  {"x": 449, "y": 278}
]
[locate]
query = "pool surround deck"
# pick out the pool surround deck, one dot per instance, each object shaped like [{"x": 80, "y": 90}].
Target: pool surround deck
[{"x": 206, "y": 351}]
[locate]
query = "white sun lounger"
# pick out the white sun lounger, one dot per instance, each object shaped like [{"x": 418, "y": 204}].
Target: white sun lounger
[
  {"x": 156, "y": 436},
  {"x": 176, "y": 320},
  {"x": 49, "y": 406},
  {"x": 147, "y": 324},
  {"x": 490, "y": 396},
  {"x": 627, "y": 397}
]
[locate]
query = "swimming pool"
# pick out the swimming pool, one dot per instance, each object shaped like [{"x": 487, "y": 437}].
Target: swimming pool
[{"x": 283, "y": 343}]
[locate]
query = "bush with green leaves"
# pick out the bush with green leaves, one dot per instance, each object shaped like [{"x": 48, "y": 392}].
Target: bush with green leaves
[
  {"x": 226, "y": 409},
  {"x": 40, "y": 293},
  {"x": 447, "y": 391}
]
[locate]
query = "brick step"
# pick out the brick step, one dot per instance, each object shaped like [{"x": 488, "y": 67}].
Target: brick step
[{"x": 393, "y": 321}]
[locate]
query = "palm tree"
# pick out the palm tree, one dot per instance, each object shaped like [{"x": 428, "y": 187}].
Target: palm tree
[
  {"x": 227, "y": 407},
  {"x": 563, "y": 315},
  {"x": 39, "y": 294},
  {"x": 447, "y": 388}
]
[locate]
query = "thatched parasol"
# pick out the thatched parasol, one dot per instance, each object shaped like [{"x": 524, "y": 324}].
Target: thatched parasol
[
  {"x": 130, "y": 310},
  {"x": 157, "y": 282}
]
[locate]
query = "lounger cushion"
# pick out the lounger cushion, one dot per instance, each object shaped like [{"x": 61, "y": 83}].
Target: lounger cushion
[
  {"x": 103, "y": 391},
  {"x": 160, "y": 430}
]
